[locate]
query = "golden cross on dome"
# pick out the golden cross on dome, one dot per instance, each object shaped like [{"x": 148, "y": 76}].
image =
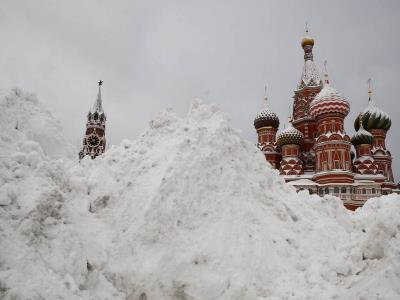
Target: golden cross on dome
[
  {"x": 100, "y": 82},
  {"x": 369, "y": 89},
  {"x": 306, "y": 27}
]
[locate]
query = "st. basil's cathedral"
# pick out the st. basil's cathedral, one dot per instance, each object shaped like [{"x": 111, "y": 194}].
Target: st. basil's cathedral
[{"x": 315, "y": 153}]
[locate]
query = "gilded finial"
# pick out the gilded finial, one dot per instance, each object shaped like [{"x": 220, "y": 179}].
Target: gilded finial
[
  {"x": 265, "y": 96},
  {"x": 100, "y": 82},
  {"x": 307, "y": 40},
  {"x": 369, "y": 89}
]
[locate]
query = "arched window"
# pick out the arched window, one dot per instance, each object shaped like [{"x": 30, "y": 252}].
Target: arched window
[
  {"x": 336, "y": 190},
  {"x": 326, "y": 190},
  {"x": 310, "y": 191},
  {"x": 364, "y": 191},
  {"x": 321, "y": 191},
  {"x": 343, "y": 190},
  {"x": 373, "y": 191}
]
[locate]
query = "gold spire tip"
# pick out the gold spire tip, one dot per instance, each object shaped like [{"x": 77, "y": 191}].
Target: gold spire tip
[{"x": 369, "y": 82}]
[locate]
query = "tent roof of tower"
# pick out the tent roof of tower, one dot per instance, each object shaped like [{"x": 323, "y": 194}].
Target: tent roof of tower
[{"x": 310, "y": 76}]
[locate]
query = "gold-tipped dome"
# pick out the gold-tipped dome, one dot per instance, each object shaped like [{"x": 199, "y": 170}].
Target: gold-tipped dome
[{"x": 307, "y": 39}]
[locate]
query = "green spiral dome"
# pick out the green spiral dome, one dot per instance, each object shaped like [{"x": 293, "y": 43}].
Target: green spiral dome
[{"x": 373, "y": 118}]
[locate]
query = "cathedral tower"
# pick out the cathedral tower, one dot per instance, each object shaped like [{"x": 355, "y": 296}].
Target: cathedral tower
[
  {"x": 290, "y": 140},
  {"x": 378, "y": 123},
  {"x": 94, "y": 142},
  {"x": 332, "y": 146},
  {"x": 310, "y": 85},
  {"x": 266, "y": 123}
]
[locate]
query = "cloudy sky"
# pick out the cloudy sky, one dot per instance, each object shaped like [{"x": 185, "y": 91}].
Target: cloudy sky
[{"x": 157, "y": 54}]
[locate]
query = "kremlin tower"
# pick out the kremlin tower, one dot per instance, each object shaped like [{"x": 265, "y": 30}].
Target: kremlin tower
[
  {"x": 315, "y": 153},
  {"x": 94, "y": 142}
]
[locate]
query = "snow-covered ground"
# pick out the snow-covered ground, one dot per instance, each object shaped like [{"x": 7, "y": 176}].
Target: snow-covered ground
[{"x": 190, "y": 210}]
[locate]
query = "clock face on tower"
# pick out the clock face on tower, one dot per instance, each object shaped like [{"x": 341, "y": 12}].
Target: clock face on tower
[{"x": 93, "y": 140}]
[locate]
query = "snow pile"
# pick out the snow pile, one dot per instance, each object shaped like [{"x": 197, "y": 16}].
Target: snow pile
[
  {"x": 190, "y": 210},
  {"x": 23, "y": 118}
]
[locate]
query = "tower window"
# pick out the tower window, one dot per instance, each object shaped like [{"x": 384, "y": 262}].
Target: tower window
[
  {"x": 343, "y": 190},
  {"x": 326, "y": 190},
  {"x": 336, "y": 190},
  {"x": 373, "y": 191},
  {"x": 364, "y": 191}
]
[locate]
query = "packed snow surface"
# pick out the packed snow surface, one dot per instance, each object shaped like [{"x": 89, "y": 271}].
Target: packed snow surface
[{"x": 189, "y": 210}]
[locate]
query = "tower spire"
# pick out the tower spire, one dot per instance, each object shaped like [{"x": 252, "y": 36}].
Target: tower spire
[{"x": 98, "y": 105}]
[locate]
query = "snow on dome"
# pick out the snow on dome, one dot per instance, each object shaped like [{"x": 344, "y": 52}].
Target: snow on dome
[
  {"x": 266, "y": 118},
  {"x": 329, "y": 100},
  {"x": 189, "y": 210},
  {"x": 290, "y": 136},
  {"x": 362, "y": 137},
  {"x": 373, "y": 118}
]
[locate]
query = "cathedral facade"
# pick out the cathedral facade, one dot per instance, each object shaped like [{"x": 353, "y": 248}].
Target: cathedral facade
[{"x": 314, "y": 152}]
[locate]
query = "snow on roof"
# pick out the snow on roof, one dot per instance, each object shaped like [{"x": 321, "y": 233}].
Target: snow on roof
[{"x": 310, "y": 75}]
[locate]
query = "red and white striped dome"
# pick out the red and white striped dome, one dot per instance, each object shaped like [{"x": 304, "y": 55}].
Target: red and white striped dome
[{"x": 329, "y": 100}]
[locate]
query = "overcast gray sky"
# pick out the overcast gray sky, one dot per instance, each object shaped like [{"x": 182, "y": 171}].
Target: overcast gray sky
[{"x": 157, "y": 54}]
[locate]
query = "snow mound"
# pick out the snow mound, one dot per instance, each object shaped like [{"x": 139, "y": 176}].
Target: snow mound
[
  {"x": 23, "y": 118},
  {"x": 190, "y": 210}
]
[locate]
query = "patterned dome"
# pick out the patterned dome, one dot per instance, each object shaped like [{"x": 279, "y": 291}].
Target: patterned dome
[
  {"x": 266, "y": 118},
  {"x": 362, "y": 137},
  {"x": 373, "y": 118},
  {"x": 290, "y": 136},
  {"x": 329, "y": 100}
]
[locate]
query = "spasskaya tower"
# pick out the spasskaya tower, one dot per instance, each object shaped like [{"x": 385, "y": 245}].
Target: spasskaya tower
[{"x": 94, "y": 142}]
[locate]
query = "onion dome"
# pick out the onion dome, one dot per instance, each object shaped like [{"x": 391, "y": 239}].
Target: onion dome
[
  {"x": 307, "y": 39},
  {"x": 290, "y": 135},
  {"x": 266, "y": 118},
  {"x": 329, "y": 100},
  {"x": 373, "y": 117},
  {"x": 362, "y": 137}
]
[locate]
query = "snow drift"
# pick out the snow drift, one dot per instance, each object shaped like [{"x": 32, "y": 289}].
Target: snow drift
[{"x": 190, "y": 210}]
